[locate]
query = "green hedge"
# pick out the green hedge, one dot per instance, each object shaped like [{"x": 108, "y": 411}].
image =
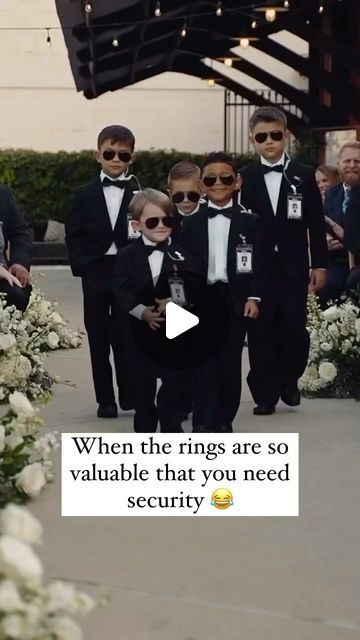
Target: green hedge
[{"x": 43, "y": 182}]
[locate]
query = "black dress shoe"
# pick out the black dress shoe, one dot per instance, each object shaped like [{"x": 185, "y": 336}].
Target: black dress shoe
[
  {"x": 227, "y": 428},
  {"x": 263, "y": 410},
  {"x": 202, "y": 429},
  {"x": 291, "y": 397},
  {"x": 107, "y": 411}
]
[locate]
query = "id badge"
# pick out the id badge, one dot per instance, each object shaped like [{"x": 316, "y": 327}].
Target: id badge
[
  {"x": 132, "y": 233},
  {"x": 244, "y": 255},
  {"x": 177, "y": 290},
  {"x": 294, "y": 207}
]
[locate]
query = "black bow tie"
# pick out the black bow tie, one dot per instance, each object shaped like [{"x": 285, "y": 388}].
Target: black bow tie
[
  {"x": 227, "y": 212},
  {"x": 267, "y": 169},
  {"x": 113, "y": 183},
  {"x": 161, "y": 246}
]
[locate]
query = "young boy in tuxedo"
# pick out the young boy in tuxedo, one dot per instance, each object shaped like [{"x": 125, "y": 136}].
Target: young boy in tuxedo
[
  {"x": 227, "y": 241},
  {"x": 97, "y": 226},
  {"x": 149, "y": 274},
  {"x": 285, "y": 195},
  {"x": 184, "y": 189}
]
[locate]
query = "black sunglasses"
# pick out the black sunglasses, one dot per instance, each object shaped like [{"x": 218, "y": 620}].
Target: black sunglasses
[
  {"x": 152, "y": 223},
  {"x": 109, "y": 154},
  {"x": 209, "y": 181},
  {"x": 179, "y": 196},
  {"x": 274, "y": 135}
]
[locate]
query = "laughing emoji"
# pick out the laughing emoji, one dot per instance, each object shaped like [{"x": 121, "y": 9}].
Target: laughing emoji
[{"x": 222, "y": 499}]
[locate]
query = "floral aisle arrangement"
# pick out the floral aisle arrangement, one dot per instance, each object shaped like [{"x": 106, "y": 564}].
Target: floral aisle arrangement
[
  {"x": 21, "y": 358},
  {"x": 25, "y": 467},
  {"x": 30, "y": 608},
  {"x": 333, "y": 368},
  {"x": 47, "y": 326}
]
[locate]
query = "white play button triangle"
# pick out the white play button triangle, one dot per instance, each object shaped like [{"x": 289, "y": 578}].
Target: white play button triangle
[{"x": 178, "y": 320}]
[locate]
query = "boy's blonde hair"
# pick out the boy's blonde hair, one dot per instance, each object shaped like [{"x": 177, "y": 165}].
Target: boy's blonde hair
[
  {"x": 184, "y": 170},
  {"x": 142, "y": 198}
]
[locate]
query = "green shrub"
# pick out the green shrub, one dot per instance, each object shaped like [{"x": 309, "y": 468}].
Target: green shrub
[{"x": 43, "y": 182}]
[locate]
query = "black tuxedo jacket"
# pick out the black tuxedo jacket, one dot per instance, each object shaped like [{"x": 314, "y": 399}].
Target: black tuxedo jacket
[
  {"x": 179, "y": 222},
  {"x": 89, "y": 233},
  {"x": 352, "y": 224},
  {"x": 290, "y": 236},
  {"x": 195, "y": 239},
  {"x": 14, "y": 230}
]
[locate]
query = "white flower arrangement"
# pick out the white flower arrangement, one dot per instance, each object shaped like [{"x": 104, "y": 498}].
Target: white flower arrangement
[
  {"x": 333, "y": 368},
  {"x": 48, "y": 326},
  {"x": 25, "y": 467},
  {"x": 31, "y": 609}
]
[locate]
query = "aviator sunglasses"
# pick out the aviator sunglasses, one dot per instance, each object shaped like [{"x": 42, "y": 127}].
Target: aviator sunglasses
[
  {"x": 179, "y": 196},
  {"x": 276, "y": 136},
  {"x": 152, "y": 223},
  {"x": 109, "y": 154},
  {"x": 209, "y": 181}
]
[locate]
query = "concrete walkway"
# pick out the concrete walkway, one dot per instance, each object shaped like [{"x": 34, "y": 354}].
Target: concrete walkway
[{"x": 200, "y": 579}]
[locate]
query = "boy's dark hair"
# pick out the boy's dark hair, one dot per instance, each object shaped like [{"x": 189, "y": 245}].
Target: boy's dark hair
[
  {"x": 267, "y": 114},
  {"x": 220, "y": 156},
  {"x": 183, "y": 170},
  {"x": 116, "y": 133}
]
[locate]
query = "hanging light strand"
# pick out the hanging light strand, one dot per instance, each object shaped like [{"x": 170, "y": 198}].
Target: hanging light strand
[
  {"x": 219, "y": 9},
  {"x": 88, "y": 7},
  {"x": 157, "y": 11}
]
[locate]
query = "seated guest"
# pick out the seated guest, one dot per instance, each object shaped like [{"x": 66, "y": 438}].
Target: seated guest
[
  {"x": 326, "y": 177},
  {"x": 335, "y": 207},
  {"x": 15, "y": 251},
  {"x": 352, "y": 238}
]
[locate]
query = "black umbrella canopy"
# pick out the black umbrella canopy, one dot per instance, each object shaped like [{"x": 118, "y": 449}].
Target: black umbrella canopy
[{"x": 116, "y": 43}]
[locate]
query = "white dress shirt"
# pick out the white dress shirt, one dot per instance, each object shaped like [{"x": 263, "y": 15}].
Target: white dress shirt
[
  {"x": 113, "y": 197},
  {"x": 218, "y": 230},
  {"x": 156, "y": 259},
  {"x": 273, "y": 181}
]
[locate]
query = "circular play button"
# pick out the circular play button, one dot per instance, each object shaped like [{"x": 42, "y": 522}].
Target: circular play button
[{"x": 178, "y": 320}]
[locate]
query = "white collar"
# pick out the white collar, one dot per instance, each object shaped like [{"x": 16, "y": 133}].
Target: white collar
[
  {"x": 212, "y": 205},
  {"x": 150, "y": 243},
  {"x": 104, "y": 175},
  {"x": 186, "y": 215},
  {"x": 273, "y": 164}
]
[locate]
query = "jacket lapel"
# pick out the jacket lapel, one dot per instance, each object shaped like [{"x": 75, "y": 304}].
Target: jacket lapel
[
  {"x": 261, "y": 189},
  {"x": 124, "y": 207},
  {"x": 141, "y": 263},
  {"x": 99, "y": 203}
]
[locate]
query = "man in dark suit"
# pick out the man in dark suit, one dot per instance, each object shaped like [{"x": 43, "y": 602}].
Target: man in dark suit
[
  {"x": 335, "y": 206},
  {"x": 98, "y": 224},
  {"x": 16, "y": 243},
  {"x": 226, "y": 240},
  {"x": 279, "y": 341},
  {"x": 352, "y": 239}
]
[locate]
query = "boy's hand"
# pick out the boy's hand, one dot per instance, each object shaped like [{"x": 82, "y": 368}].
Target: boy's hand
[
  {"x": 161, "y": 304},
  {"x": 6, "y": 275},
  {"x": 21, "y": 273},
  {"x": 251, "y": 309},
  {"x": 152, "y": 318},
  {"x": 317, "y": 280}
]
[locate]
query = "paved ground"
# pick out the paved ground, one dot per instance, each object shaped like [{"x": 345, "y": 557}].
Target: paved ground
[{"x": 200, "y": 579}]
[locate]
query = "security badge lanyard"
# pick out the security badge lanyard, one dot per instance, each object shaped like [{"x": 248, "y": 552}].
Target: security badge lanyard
[
  {"x": 244, "y": 257},
  {"x": 176, "y": 283},
  {"x": 294, "y": 199}
]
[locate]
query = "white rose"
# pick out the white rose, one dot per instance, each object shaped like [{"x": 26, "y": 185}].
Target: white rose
[
  {"x": 56, "y": 318},
  {"x": 7, "y": 340},
  {"x": 346, "y": 346},
  {"x": 53, "y": 340},
  {"x": 9, "y": 596},
  {"x": 327, "y": 371},
  {"x": 61, "y": 597},
  {"x": 2, "y": 438},
  {"x": 326, "y": 346},
  {"x": 19, "y": 562},
  {"x": 20, "y": 404},
  {"x": 19, "y": 523},
  {"x": 334, "y": 331},
  {"x": 13, "y": 440},
  {"x": 31, "y": 479},
  {"x": 65, "y": 629},
  {"x": 332, "y": 313},
  {"x": 14, "y": 626}
]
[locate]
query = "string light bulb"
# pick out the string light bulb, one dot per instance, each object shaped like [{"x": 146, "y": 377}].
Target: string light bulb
[
  {"x": 286, "y": 4},
  {"x": 219, "y": 9},
  {"x": 211, "y": 82},
  {"x": 321, "y": 8},
  {"x": 228, "y": 62},
  {"x": 48, "y": 39},
  {"x": 183, "y": 32},
  {"x": 254, "y": 24},
  {"x": 244, "y": 43},
  {"x": 158, "y": 9},
  {"x": 115, "y": 42},
  {"x": 270, "y": 15},
  {"x": 88, "y": 7}
]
